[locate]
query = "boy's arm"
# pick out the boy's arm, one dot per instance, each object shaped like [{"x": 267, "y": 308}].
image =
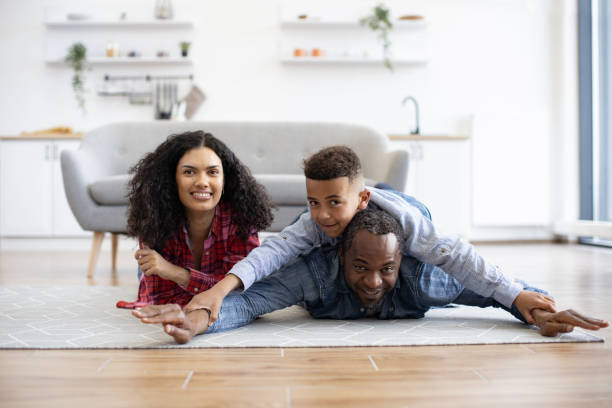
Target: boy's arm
[
  {"x": 277, "y": 250},
  {"x": 455, "y": 256},
  {"x": 286, "y": 287}
]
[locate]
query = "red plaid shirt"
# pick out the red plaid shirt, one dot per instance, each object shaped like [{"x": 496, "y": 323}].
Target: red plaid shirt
[{"x": 222, "y": 249}]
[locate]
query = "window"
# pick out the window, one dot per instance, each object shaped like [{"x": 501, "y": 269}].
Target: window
[{"x": 595, "y": 52}]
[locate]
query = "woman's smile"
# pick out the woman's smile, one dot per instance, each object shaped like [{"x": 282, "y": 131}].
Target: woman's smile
[{"x": 202, "y": 195}]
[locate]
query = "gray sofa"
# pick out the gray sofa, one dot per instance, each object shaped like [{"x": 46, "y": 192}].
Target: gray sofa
[{"x": 95, "y": 175}]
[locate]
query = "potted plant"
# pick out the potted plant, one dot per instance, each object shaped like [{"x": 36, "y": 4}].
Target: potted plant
[
  {"x": 77, "y": 60},
  {"x": 185, "y": 48},
  {"x": 379, "y": 21}
]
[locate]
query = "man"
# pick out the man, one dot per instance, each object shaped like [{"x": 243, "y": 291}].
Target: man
[{"x": 366, "y": 277}]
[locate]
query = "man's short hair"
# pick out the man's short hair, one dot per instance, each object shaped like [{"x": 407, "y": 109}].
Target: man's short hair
[
  {"x": 333, "y": 162},
  {"x": 375, "y": 222}
]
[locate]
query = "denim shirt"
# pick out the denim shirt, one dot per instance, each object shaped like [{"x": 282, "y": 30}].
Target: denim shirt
[
  {"x": 421, "y": 241},
  {"x": 316, "y": 280}
]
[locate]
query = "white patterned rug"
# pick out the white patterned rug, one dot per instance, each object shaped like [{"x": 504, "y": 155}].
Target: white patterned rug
[{"x": 86, "y": 317}]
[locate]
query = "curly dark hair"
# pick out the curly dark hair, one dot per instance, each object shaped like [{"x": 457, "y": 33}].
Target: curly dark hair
[
  {"x": 333, "y": 162},
  {"x": 155, "y": 211},
  {"x": 376, "y": 222}
]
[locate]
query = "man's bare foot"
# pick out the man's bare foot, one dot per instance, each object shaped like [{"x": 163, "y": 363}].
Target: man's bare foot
[
  {"x": 182, "y": 327},
  {"x": 551, "y": 324}
]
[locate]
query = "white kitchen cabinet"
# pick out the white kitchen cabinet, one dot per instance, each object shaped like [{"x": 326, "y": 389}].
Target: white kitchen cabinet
[
  {"x": 32, "y": 198},
  {"x": 439, "y": 177}
]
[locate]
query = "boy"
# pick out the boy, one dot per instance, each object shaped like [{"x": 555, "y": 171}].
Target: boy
[{"x": 336, "y": 192}]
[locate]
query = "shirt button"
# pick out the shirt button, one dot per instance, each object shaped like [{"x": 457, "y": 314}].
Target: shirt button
[
  {"x": 196, "y": 289},
  {"x": 362, "y": 310}
]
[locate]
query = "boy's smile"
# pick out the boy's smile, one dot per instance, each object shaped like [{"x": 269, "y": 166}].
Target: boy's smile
[{"x": 333, "y": 203}]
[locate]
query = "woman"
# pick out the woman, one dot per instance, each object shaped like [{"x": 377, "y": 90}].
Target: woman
[{"x": 196, "y": 210}]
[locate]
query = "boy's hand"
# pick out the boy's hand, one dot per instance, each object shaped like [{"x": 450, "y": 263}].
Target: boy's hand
[
  {"x": 551, "y": 324},
  {"x": 210, "y": 300},
  {"x": 527, "y": 301},
  {"x": 182, "y": 327}
]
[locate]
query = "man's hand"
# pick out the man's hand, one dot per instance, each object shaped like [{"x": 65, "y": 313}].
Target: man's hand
[
  {"x": 182, "y": 327},
  {"x": 527, "y": 301},
  {"x": 212, "y": 299},
  {"x": 551, "y": 324},
  {"x": 152, "y": 263}
]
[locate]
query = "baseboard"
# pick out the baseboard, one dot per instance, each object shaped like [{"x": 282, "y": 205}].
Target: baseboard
[
  {"x": 477, "y": 235},
  {"x": 529, "y": 233},
  {"x": 63, "y": 244},
  {"x": 75, "y": 244},
  {"x": 578, "y": 228}
]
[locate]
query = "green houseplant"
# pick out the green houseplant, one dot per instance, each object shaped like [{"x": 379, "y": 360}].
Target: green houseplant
[
  {"x": 77, "y": 60},
  {"x": 184, "y": 48},
  {"x": 379, "y": 22}
]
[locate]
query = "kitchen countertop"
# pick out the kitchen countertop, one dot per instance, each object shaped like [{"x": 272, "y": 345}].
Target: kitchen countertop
[
  {"x": 393, "y": 137},
  {"x": 43, "y": 136},
  {"x": 411, "y": 137}
]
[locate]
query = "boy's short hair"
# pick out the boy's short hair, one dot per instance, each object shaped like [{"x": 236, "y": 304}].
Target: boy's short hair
[
  {"x": 376, "y": 222},
  {"x": 333, "y": 162}
]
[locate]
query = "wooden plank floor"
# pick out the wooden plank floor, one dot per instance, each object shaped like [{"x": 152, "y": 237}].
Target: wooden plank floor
[{"x": 559, "y": 375}]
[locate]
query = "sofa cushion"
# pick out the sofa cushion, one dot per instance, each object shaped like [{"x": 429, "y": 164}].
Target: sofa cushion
[
  {"x": 284, "y": 189},
  {"x": 111, "y": 190}
]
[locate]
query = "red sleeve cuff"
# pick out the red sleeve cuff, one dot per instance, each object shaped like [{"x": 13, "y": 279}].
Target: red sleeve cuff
[{"x": 198, "y": 282}]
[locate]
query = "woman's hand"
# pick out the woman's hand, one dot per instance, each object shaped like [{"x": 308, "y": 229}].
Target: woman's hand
[
  {"x": 152, "y": 263},
  {"x": 212, "y": 299}
]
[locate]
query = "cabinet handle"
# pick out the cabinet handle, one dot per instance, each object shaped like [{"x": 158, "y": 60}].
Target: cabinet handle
[
  {"x": 47, "y": 151},
  {"x": 55, "y": 152}
]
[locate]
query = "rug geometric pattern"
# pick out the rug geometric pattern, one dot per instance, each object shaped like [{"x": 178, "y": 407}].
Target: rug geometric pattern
[{"x": 86, "y": 317}]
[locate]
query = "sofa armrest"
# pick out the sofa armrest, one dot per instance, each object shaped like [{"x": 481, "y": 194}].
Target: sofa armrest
[{"x": 75, "y": 175}]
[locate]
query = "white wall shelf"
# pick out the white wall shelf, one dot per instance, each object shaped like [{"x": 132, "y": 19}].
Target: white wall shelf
[
  {"x": 102, "y": 29},
  {"x": 328, "y": 36},
  {"x": 351, "y": 60},
  {"x": 398, "y": 24},
  {"x": 127, "y": 61},
  {"x": 118, "y": 24}
]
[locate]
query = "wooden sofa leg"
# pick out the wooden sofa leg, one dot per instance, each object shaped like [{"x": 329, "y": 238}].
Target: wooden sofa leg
[
  {"x": 95, "y": 252},
  {"x": 114, "y": 246}
]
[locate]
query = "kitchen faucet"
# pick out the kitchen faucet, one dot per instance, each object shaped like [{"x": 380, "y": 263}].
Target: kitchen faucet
[{"x": 416, "y": 131}]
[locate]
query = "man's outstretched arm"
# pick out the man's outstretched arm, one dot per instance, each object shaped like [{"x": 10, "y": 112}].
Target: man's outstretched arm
[
  {"x": 551, "y": 324},
  {"x": 286, "y": 287}
]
